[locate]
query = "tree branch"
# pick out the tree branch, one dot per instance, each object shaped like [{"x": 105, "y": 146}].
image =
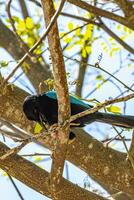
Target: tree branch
[
  {"x": 24, "y": 9},
  {"x": 80, "y": 153},
  {"x": 15, "y": 164},
  {"x": 59, "y": 73},
  {"x": 103, "y": 13},
  {"x": 125, "y": 6}
]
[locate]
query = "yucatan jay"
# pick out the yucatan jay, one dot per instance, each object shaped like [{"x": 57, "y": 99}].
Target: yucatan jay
[{"x": 43, "y": 108}]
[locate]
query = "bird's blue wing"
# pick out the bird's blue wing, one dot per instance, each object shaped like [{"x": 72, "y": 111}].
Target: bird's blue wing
[
  {"x": 51, "y": 94},
  {"x": 74, "y": 100}
]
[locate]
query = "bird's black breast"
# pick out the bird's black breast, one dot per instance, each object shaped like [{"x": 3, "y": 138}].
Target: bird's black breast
[{"x": 49, "y": 108}]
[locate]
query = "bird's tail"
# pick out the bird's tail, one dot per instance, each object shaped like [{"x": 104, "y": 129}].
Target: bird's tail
[{"x": 125, "y": 121}]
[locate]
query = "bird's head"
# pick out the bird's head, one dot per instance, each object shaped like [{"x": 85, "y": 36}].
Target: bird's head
[{"x": 31, "y": 108}]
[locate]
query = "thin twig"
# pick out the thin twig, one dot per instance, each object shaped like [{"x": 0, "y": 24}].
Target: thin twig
[
  {"x": 14, "y": 151},
  {"x": 101, "y": 105},
  {"x": 36, "y": 154},
  {"x": 116, "y": 138},
  {"x": 15, "y": 186},
  {"x": 19, "y": 133},
  {"x": 97, "y": 66},
  {"x": 125, "y": 145}
]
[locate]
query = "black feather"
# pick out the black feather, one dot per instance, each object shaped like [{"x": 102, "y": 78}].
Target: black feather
[{"x": 43, "y": 108}]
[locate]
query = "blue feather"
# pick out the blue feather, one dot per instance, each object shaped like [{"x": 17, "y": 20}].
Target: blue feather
[{"x": 74, "y": 100}]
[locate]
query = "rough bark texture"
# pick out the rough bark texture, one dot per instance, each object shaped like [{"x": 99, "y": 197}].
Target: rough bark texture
[
  {"x": 105, "y": 165},
  {"x": 38, "y": 179},
  {"x": 61, "y": 88}
]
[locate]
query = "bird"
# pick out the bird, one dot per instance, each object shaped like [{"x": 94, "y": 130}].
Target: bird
[{"x": 43, "y": 108}]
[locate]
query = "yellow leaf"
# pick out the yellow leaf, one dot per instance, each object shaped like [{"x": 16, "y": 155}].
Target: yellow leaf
[
  {"x": 110, "y": 39},
  {"x": 84, "y": 53},
  {"x": 68, "y": 40},
  {"x": 37, "y": 128},
  {"x": 38, "y": 159},
  {"x": 79, "y": 42},
  {"x": 114, "y": 109},
  {"x": 5, "y": 174},
  {"x": 113, "y": 50},
  {"x": 30, "y": 41},
  {"x": 29, "y": 23},
  {"x": 105, "y": 49},
  {"x": 118, "y": 26},
  {"x": 70, "y": 26},
  {"x": 88, "y": 49},
  {"x": 77, "y": 32},
  {"x": 62, "y": 33},
  {"x": 98, "y": 86},
  {"x": 50, "y": 83},
  {"x": 88, "y": 32},
  {"x": 21, "y": 26}
]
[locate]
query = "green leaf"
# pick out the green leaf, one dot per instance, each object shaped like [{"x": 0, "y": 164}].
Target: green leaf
[
  {"x": 3, "y": 63},
  {"x": 118, "y": 27},
  {"x": 99, "y": 77},
  {"x": 37, "y": 26},
  {"x": 98, "y": 86},
  {"x": 114, "y": 109},
  {"x": 37, "y": 128},
  {"x": 50, "y": 83},
  {"x": 38, "y": 159},
  {"x": 16, "y": 19}
]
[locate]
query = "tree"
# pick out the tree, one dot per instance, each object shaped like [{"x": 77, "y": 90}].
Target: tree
[{"x": 110, "y": 22}]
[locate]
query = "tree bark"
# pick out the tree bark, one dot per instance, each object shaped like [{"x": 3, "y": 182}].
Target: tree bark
[
  {"x": 107, "y": 166},
  {"x": 38, "y": 179}
]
